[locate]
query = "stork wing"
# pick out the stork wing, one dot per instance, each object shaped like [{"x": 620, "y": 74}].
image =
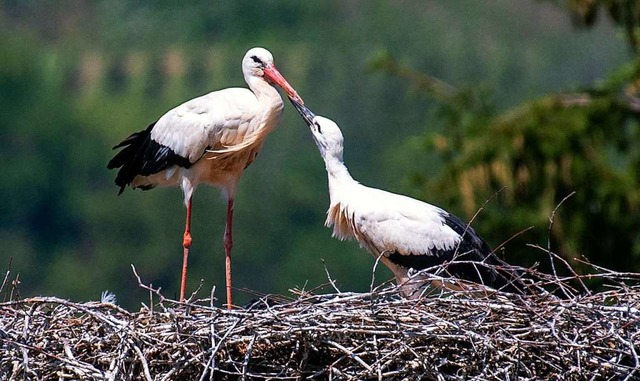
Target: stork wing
[
  {"x": 417, "y": 235},
  {"x": 182, "y": 135},
  {"x": 395, "y": 223},
  {"x": 218, "y": 119}
]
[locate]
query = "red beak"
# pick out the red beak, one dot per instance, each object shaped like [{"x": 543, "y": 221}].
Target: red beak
[{"x": 274, "y": 76}]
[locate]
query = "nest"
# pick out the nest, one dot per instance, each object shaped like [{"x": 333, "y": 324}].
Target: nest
[{"x": 375, "y": 335}]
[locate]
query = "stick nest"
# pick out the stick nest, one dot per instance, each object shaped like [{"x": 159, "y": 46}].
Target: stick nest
[{"x": 374, "y": 335}]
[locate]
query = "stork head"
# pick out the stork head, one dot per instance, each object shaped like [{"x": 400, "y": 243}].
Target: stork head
[
  {"x": 326, "y": 132},
  {"x": 258, "y": 63}
]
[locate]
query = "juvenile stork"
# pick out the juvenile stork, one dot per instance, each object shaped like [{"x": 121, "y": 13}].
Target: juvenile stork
[
  {"x": 407, "y": 235},
  {"x": 210, "y": 139}
]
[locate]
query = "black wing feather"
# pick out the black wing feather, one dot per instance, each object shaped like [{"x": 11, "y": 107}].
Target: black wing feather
[
  {"x": 471, "y": 260},
  {"x": 143, "y": 156}
]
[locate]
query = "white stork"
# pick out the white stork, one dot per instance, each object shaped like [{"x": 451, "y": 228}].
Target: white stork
[
  {"x": 210, "y": 139},
  {"x": 407, "y": 235}
]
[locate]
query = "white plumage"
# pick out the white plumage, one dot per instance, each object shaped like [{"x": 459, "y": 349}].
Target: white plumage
[
  {"x": 403, "y": 232},
  {"x": 210, "y": 139}
]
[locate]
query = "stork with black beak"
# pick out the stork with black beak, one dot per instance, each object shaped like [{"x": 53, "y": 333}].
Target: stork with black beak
[{"x": 407, "y": 235}]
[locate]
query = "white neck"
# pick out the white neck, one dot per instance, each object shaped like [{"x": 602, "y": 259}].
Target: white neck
[
  {"x": 264, "y": 91},
  {"x": 339, "y": 178},
  {"x": 268, "y": 96}
]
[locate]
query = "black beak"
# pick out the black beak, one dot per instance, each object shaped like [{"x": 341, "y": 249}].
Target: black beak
[{"x": 306, "y": 114}]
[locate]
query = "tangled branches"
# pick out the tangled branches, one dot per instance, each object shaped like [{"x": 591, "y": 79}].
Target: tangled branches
[{"x": 375, "y": 335}]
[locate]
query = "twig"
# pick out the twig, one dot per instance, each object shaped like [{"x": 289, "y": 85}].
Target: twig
[
  {"x": 143, "y": 360},
  {"x": 247, "y": 356},
  {"x": 349, "y": 353},
  {"x": 156, "y": 291},
  {"x": 521, "y": 232},
  {"x": 333, "y": 284},
  {"x": 194, "y": 293},
  {"x": 373, "y": 272},
  {"x": 476, "y": 214},
  {"x": 6, "y": 277},
  {"x": 551, "y": 219}
]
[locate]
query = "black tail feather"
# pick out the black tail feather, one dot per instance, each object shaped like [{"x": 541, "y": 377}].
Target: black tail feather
[
  {"x": 143, "y": 156},
  {"x": 471, "y": 260},
  {"x": 130, "y": 158}
]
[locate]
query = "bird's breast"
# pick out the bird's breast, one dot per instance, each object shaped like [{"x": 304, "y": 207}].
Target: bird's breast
[
  {"x": 222, "y": 168},
  {"x": 338, "y": 217}
]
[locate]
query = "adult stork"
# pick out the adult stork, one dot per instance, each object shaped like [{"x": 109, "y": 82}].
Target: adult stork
[
  {"x": 210, "y": 139},
  {"x": 407, "y": 235}
]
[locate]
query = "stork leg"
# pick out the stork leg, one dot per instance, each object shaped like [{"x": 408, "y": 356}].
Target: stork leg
[
  {"x": 186, "y": 244},
  {"x": 228, "y": 244}
]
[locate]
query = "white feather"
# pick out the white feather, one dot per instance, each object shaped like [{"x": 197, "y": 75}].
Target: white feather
[
  {"x": 393, "y": 222},
  {"x": 215, "y": 120}
]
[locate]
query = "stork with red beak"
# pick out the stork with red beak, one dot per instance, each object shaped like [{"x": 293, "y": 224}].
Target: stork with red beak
[{"x": 210, "y": 139}]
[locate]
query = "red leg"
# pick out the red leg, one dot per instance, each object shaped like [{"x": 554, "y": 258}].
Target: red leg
[
  {"x": 228, "y": 244},
  {"x": 186, "y": 244}
]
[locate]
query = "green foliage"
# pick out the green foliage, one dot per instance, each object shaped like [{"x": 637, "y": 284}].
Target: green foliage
[
  {"x": 624, "y": 13},
  {"x": 578, "y": 149},
  {"x": 77, "y": 77}
]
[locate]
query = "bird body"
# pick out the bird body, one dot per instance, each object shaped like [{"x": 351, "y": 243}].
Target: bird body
[
  {"x": 388, "y": 222},
  {"x": 404, "y": 233},
  {"x": 210, "y": 139}
]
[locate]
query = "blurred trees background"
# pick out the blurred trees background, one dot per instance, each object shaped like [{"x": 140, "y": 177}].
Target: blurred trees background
[
  {"x": 577, "y": 146},
  {"x": 456, "y": 103}
]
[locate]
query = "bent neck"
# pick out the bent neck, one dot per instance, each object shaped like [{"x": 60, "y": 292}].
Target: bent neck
[
  {"x": 339, "y": 178},
  {"x": 271, "y": 103},
  {"x": 264, "y": 91}
]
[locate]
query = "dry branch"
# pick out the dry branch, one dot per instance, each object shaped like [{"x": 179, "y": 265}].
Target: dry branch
[{"x": 375, "y": 335}]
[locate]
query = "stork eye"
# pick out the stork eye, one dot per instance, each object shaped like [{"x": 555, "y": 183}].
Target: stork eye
[{"x": 257, "y": 60}]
